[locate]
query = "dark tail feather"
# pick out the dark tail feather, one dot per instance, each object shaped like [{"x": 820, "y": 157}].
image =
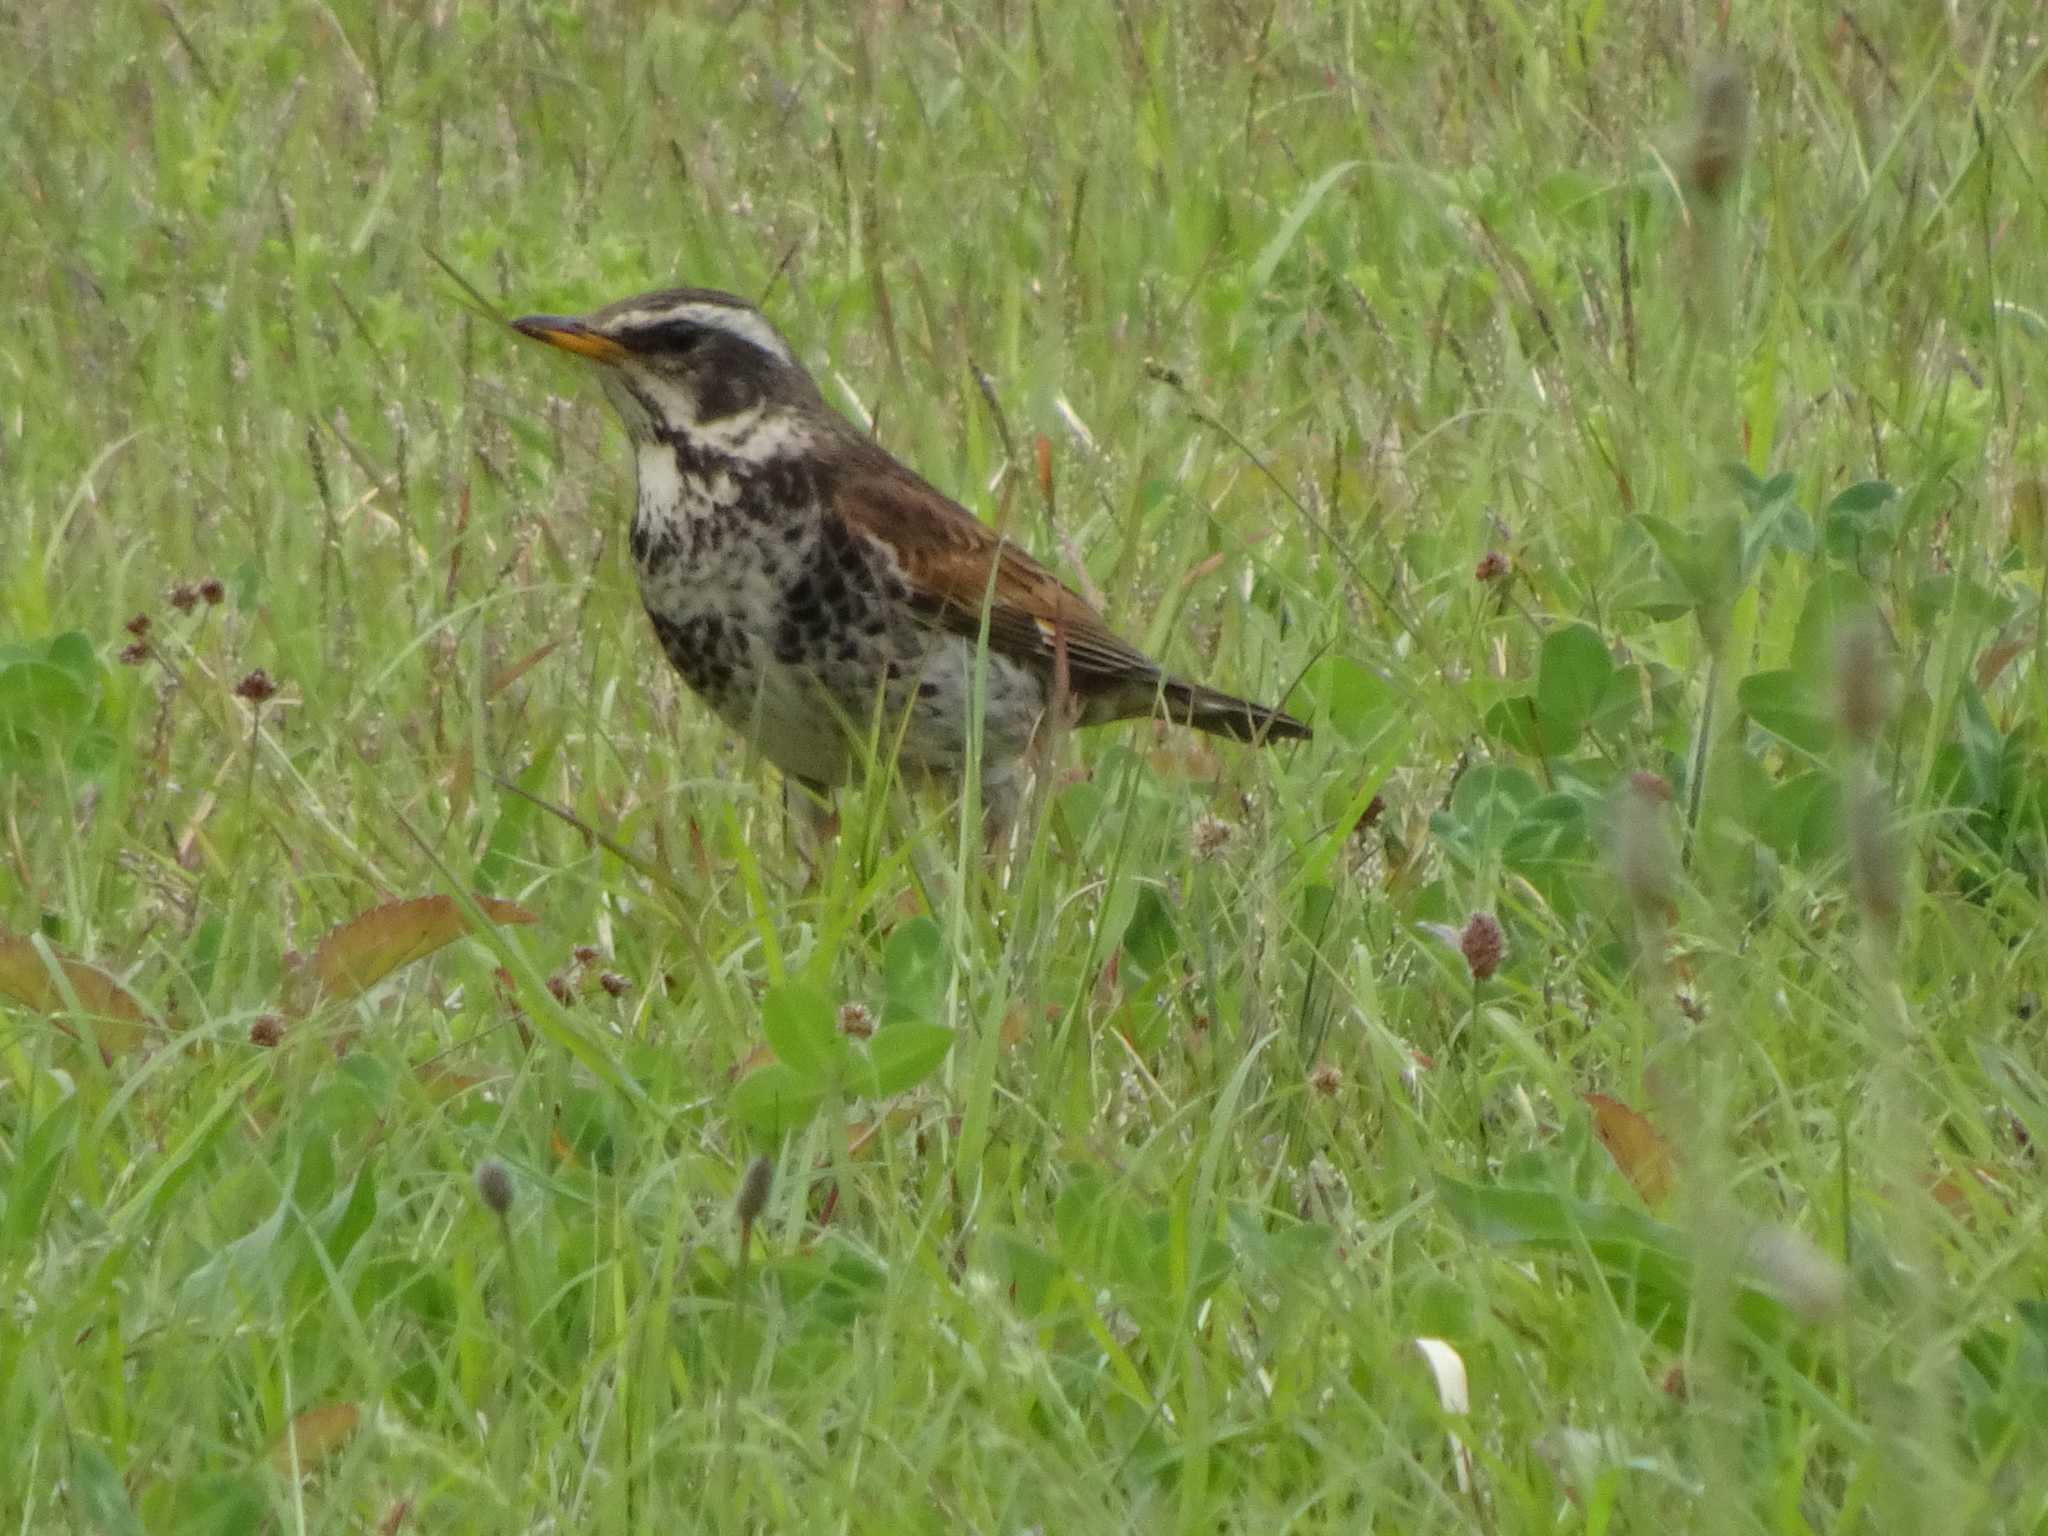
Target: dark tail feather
[{"x": 1207, "y": 709}]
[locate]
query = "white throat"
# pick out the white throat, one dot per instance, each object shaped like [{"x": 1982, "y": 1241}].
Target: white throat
[{"x": 731, "y": 447}]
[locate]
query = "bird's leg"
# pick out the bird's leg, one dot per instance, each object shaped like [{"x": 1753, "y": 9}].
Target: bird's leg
[
  {"x": 1014, "y": 794},
  {"x": 813, "y": 823},
  {"x": 1062, "y": 708},
  {"x": 1003, "y": 795},
  {"x": 1000, "y": 797}
]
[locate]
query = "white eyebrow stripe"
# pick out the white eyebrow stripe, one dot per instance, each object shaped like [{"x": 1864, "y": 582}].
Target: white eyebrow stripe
[{"x": 746, "y": 324}]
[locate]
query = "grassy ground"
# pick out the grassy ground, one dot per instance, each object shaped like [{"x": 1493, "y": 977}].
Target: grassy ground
[{"x": 1271, "y": 322}]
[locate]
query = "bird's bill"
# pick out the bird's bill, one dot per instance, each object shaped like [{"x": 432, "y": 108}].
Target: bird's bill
[{"x": 571, "y": 335}]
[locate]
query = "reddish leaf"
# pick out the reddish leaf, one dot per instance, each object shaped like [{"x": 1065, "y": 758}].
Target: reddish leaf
[
  {"x": 1638, "y": 1150},
  {"x": 25, "y": 977},
  {"x": 364, "y": 950},
  {"x": 319, "y": 1433}
]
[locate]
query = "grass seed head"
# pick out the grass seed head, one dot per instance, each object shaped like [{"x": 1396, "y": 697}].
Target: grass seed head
[
  {"x": 1642, "y": 844},
  {"x": 256, "y": 687},
  {"x": 1875, "y": 878},
  {"x": 1718, "y": 141},
  {"x": 752, "y": 1199},
  {"x": 1483, "y": 944},
  {"x": 494, "y": 1186},
  {"x": 1211, "y": 835},
  {"x": 1862, "y": 692}
]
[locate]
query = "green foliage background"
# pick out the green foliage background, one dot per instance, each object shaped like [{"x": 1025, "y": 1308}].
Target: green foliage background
[{"x": 1169, "y": 1144}]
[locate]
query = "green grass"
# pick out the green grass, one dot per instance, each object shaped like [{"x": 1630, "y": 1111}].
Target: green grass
[{"x": 1346, "y": 297}]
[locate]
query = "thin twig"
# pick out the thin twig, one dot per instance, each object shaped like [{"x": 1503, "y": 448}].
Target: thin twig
[
  {"x": 477, "y": 301},
  {"x": 626, "y": 856},
  {"x": 200, "y": 67}
]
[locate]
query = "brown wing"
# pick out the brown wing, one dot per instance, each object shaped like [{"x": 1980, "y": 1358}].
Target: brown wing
[{"x": 958, "y": 568}]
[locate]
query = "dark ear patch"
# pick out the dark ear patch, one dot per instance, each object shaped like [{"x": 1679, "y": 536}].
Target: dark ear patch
[{"x": 733, "y": 380}]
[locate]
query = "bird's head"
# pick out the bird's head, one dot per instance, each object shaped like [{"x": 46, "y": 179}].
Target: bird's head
[{"x": 682, "y": 360}]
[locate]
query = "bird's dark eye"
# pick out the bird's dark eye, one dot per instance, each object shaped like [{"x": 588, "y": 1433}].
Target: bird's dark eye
[{"x": 671, "y": 338}]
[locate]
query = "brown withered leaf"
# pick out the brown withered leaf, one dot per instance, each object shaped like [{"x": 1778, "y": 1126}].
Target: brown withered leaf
[
  {"x": 753, "y": 1061},
  {"x": 320, "y": 1432},
  {"x": 860, "y": 1134},
  {"x": 441, "y": 1082},
  {"x": 1023, "y": 1019},
  {"x": 122, "y": 1021},
  {"x": 1639, "y": 1150},
  {"x": 460, "y": 780},
  {"x": 1185, "y": 755},
  {"x": 2000, "y": 656},
  {"x": 1960, "y": 1193},
  {"x": 361, "y": 952},
  {"x": 510, "y": 673}
]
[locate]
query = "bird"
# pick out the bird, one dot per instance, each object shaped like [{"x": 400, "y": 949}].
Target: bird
[{"x": 800, "y": 577}]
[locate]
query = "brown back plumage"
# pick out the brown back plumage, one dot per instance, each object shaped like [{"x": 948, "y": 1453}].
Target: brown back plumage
[{"x": 959, "y": 567}]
